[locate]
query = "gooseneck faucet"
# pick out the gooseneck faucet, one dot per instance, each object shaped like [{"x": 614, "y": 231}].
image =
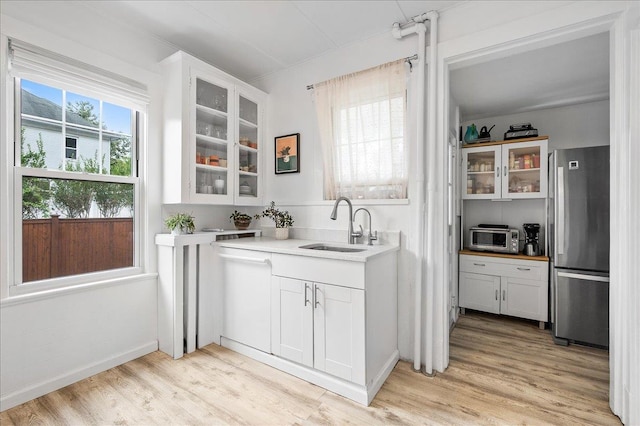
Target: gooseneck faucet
[
  {"x": 334, "y": 215},
  {"x": 371, "y": 237}
]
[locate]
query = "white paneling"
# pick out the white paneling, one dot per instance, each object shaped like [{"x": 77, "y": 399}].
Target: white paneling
[{"x": 352, "y": 23}]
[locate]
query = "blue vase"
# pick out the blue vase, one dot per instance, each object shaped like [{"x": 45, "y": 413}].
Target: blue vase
[{"x": 471, "y": 134}]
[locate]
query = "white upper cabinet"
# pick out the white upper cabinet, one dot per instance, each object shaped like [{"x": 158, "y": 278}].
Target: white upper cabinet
[
  {"x": 508, "y": 170},
  {"x": 213, "y": 130}
]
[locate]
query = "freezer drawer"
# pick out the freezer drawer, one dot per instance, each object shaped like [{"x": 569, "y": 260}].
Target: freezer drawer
[{"x": 582, "y": 306}]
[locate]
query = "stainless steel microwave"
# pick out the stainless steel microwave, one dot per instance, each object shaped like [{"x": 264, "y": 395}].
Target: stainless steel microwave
[{"x": 499, "y": 240}]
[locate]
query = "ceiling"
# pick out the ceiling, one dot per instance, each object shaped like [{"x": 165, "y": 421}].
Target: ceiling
[
  {"x": 251, "y": 39},
  {"x": 563, "y": 74}
]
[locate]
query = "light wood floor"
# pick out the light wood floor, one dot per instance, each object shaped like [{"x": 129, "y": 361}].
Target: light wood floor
[{"x": 502, "y": 371}]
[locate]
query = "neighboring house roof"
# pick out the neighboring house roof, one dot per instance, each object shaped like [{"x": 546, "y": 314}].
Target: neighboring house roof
[{"x": 44, "y": 108}]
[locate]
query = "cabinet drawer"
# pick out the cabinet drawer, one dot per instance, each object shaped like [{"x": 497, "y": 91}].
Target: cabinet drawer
[
  {"x": 513, "y": 268},
  {"x": 328, "y": 271}
]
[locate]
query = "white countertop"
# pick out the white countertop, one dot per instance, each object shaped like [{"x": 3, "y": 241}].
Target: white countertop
[{"x": 292, "y": 246}]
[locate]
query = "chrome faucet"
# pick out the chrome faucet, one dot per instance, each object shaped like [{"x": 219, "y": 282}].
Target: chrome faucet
[
  {"x": 371, "y": 237},
  {"x": 334, "y": 215}
]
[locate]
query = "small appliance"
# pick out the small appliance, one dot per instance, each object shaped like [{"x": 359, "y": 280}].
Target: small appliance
[
  {"x": 522, "y": 130},
  {"x": 531, "y": 239},
  {"x": 494, "y": 238}
]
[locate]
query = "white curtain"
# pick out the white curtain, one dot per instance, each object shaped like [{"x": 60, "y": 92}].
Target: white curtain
[{"x": 361, "y": 118}]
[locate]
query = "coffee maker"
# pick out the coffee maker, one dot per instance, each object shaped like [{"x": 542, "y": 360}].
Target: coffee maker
[{"x": 531, "y": 239}]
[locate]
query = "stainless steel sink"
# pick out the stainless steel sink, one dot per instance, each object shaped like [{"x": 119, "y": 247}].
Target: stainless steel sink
[{"x": 326, "y": 247}]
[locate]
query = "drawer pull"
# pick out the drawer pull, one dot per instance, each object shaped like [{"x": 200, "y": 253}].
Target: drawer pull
[
  {"x": 524, "y": 269},
  {"x": 479, "y": 264},
  {"x": 306, "y": 300},
  {"x": 496, "y": 294},
  {"x": 504, "y": 294}
]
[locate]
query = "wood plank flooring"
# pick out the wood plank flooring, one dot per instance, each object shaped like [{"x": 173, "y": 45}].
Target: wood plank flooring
[{"x": 502, "y": 371}]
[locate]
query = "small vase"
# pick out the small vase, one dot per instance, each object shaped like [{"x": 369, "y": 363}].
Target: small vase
[{"x": 282, "y": 233}]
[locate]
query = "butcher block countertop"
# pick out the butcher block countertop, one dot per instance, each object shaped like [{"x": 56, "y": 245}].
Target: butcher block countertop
[{"x": 504, "y": 255}]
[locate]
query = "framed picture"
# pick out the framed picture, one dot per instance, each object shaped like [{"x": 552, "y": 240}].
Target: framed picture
[{"x": 287, "y": 153}]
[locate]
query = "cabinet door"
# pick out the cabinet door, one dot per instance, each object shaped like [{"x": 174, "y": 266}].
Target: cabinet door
[
  {"x": 211, "y": 135},
  {"x": 481, "y": 292},
  {"x": 246, "y": 275},
  {"x": 524, "y": 169},
  {"x": 249, "y": 145},
  {"x": 292, "y": 320},
  {"x": 481, "y": 172},
  {"x": 524, "y": 298},
  {"x": 339, "y": 332}
]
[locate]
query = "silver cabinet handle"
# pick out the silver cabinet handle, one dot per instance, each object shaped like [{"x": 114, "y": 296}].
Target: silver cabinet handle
[
  {"x": 315, "y": 295},
  {"x": 496, "y": 294},
  {"x": 497, "y": 171},
  {"x": 306, "y": 300},
  {"x": 479, "y": 264},
  {"x": 584, "y": 277},
  {"x": 505, "y": 171},
  {"x": 524, "y": 269},
  {"x": 504, "y": 294}
]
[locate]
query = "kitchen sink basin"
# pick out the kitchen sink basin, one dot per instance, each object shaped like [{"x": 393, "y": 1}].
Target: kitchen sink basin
[{"x": 326, "y": 247}]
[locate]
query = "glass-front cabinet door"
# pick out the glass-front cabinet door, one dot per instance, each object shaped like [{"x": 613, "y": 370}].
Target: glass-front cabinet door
[
  {"x": 482, "y": 172},
  {"x": 212, "y": 140},
  {"x": 249, "y": 149},
  {"x": 524, "y": 167}
]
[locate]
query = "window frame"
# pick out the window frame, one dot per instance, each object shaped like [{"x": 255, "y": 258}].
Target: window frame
[
  {"x": 74, "y": 148},
  {"x": 17, "y": 286}
]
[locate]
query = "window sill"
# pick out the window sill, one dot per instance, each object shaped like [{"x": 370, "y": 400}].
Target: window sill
[{"x": 31, "y": 292}]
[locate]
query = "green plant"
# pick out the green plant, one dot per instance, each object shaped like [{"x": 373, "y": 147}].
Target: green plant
[
  {"x": 282, "y": 218},
  {"x": 236, "y": 216},
  {"x": 181, "y": 221},
  {"x": 285, "y": 151}
]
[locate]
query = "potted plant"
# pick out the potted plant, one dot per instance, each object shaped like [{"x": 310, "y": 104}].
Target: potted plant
[
  {"x": 240, "y": 220},
  {"x": 282, "y": 219},
  {"x": 285, "y": 153},
  {"x": 180, "y": 223}
]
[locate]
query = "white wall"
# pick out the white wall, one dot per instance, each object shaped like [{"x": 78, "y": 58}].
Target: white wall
[
  {"x": 571, "y": 126},
  {"x": 291, "y": 110},
  {"x": 54, "y": 338}
]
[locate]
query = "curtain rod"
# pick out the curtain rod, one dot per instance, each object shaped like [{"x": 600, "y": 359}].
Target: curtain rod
[{"x": 408, "y": 59}]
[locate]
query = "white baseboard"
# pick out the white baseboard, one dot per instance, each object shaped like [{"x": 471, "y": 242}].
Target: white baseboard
[
  {"x": 19, "y": 397},
  {"x": 357, "y": 393},
  {"x": 373, "y": 389}
]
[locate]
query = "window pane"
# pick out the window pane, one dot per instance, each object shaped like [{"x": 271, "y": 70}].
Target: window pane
[
  {"x": 74, "y": 227},
  {"x": 81, "y": 110},
  {"x": 41, "y": 127}
]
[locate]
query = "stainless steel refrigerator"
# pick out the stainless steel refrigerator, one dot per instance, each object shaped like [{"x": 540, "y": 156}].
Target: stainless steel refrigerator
[{"x": 579, "y": 245}]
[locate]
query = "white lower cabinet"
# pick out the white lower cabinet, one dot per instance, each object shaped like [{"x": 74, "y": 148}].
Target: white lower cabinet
[
  {"x": 500, "y": 285},
  {"x": 320, "y": 326}
]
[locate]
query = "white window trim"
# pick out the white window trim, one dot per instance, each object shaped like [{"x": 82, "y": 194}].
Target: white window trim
[{"x": 108, "y": 87}]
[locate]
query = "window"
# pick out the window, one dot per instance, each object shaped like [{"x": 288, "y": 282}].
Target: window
[
  {"x": 75, "y": 171},
  {"x": 362, "y": 129},
  {"x": 71, "y": 147}
]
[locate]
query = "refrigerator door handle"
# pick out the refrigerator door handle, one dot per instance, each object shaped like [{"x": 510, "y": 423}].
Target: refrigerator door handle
[
  {"x": 583, "y": 277},
  {"x": 559, "y": 234}
]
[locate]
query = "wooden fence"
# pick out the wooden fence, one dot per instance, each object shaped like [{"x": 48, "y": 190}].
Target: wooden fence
[{"x": 59, "y": 247}]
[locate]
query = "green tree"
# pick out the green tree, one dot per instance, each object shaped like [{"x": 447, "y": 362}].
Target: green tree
[
  {"x": 120, "y": 157},
  {"x": 35, "y": 191},
  {"x": 74, "y": 197},
  {"x": 85, "y": 110}
]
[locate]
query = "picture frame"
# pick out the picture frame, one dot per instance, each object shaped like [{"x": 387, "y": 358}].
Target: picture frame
[{"x": 287, "y": 154}]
